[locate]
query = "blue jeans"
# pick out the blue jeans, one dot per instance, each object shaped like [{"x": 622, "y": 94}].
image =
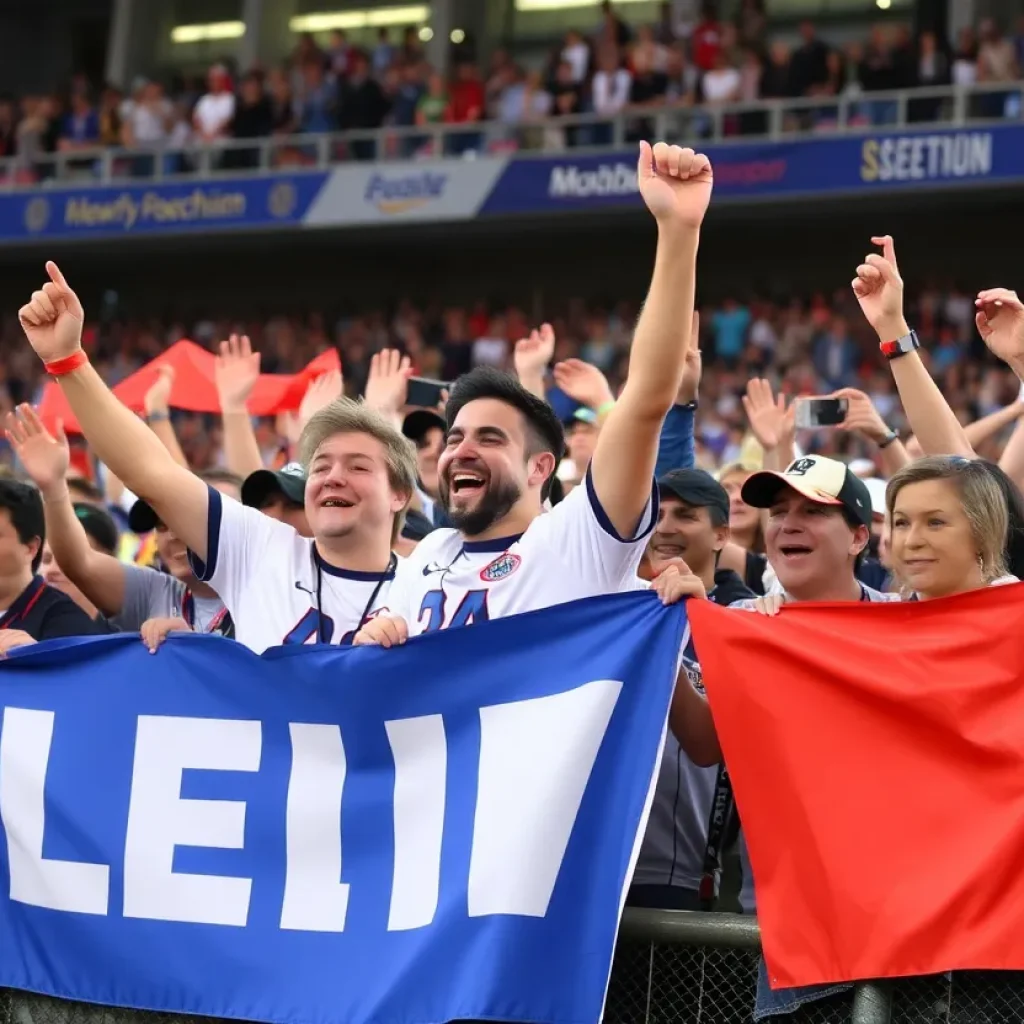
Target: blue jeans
[{"x": 775, "y": 1002}]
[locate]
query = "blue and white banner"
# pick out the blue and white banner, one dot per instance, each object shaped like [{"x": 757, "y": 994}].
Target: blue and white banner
[{"x": 334, "y": 836}]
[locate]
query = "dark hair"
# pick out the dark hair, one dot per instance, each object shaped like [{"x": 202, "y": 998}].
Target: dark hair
[
  {"x": 543, "y": 428},
  {"x": 1015, "y": 513},
  {"x": 24, "y": 504}
]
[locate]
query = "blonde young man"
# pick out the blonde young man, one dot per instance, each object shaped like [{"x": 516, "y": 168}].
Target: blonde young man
[{"x": 279, "y": 587}]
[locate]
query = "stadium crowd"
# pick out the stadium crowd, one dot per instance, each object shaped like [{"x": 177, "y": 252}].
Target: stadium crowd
[
  {"x": 390, "y": 515},
  {"x": 701, "y": 63}
]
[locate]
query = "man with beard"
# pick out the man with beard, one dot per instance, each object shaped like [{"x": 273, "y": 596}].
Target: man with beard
[
  {"x": 503, "y": 444},
  {"x": 278, "y": 586}
]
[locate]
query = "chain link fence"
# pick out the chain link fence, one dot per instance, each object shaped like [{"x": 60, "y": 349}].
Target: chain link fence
[{"x": 675, "y": 967}]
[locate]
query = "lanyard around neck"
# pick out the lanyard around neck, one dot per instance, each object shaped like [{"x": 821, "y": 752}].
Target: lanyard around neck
[{"x": 388, "y": 574}]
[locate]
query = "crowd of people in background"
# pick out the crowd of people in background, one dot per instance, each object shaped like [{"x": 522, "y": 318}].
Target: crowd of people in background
[
  {"x": 331, "y": 85},
  {"x": 803, "y": 345}
]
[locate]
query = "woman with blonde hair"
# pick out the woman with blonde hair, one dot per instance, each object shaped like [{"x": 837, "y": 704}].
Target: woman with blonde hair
[{"x": 948, "y": 521}]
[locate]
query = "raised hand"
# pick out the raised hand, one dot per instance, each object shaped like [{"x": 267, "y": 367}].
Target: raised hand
[
  {"x": 534, "y": 353},
  {"x": 235, "y": 372},
  {"x": 770, "y": 421},
  {"x": 879, "y": 290},
  {"x": 584, "y": 383},
  {"x": 1000, "y": 321},
  {"x": 53, "y": 318},
  {"x": 44, "y": 457},
  {"x": 861, "y": 416},
  {"x": 158, "y": 396},
  {"x": 690, "y": 384},
  {"x": 675, "y": 183},
  {"x": 324, "y": 390},
  {"x": 387, "y": 386}
]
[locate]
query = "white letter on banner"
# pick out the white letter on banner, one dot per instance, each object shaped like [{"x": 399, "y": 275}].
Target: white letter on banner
[
  {"x": 159, "y": 819},
  {"x": 420, "y": 750},
  {"x": 535, "y": 759},
  {"x": 315, "y": 898},
  {"x": 54, "y": 884}
]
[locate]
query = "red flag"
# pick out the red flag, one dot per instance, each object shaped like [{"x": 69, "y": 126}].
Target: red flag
[
  {"x": 54, "y": 409},
  {"x": 877, "y": 755},
  {"x": 281, "y": 393}
]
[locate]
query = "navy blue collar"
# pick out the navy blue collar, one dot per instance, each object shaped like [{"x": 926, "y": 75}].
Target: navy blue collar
[
  {"x": 353, "y": 574},
  {"x": 497, "y": 544}
]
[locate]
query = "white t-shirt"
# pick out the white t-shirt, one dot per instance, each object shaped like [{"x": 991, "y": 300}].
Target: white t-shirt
[
  {"x": 268, "y": 577},
  {"x": 567, "y": 554},
  {"x": 214, "y": 111},
  {"x": 721, "y": 85}
]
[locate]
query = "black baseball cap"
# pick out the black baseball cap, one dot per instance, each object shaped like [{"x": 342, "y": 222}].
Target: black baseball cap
[
  {"x": 825, "y": 481},
  {"x": 99, "y": 525},
  {"x": 419, "y": 421},
  {"x": 289, "y": 480},
  {"x": 142, "y": 517},
  {"x": 697, "y": 488}
]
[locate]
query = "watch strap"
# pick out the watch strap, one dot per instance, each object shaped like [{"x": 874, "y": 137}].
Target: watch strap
[{"x": 901, "y": 346}]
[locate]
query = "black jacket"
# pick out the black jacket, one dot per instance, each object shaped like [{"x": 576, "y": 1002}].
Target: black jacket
[{"x": 45, "y": 613}]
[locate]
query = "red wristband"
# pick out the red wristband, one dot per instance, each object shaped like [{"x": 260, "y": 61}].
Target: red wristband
[{"x": 59, "y": 367}]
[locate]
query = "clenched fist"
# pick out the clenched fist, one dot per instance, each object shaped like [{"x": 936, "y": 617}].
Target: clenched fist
[
  {"x": 53, "y": 318},
  {"x": 675, "y": 183}
]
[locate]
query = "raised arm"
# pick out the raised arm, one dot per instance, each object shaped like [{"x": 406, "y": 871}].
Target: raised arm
[
  {"x": 879, "y": 290},
  {"x": 52, "y": 321},
  {"x": 532, "y": 357},
  {"x": 158, "y": 413},
  {"x": 676, "y": 186},
  {"x": 45, "y": 459},
  {"x": 235, "y": 373}
]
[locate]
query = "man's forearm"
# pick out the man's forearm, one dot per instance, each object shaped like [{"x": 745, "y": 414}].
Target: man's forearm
[
  {"x": 64, "y": 531},
  {"x": 660, "y": 343},
  {"x": 241, "y": 449}
]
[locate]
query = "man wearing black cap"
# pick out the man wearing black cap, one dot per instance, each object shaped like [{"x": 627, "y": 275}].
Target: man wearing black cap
[
  {"x": 677, "y": 861},
  {"x": 280, "y": 494},
  {"x": 426, "y": 429}
]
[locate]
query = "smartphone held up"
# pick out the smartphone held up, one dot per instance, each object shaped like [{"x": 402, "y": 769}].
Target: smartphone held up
[{"x": 813, "y": 413}]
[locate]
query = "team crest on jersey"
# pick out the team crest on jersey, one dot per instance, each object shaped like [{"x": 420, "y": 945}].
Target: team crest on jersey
[{"x": 501, "y": 568}]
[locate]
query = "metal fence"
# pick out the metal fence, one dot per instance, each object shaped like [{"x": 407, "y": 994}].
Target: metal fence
[
  {"x": 684, "y": 968},
  {"x": 772, "y": 120}
]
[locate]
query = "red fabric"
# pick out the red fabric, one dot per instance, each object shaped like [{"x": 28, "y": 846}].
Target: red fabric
[
  {"x": 707, "y": 43},
  {"x": 466, "y": 102},
  {"x": 194, "y": 389},
  {"x": 877, "y": 755}
]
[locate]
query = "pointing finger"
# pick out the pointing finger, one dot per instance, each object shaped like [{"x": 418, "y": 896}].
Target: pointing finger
[
  {"x": 645, "y": 161},
  {"x": 57, "y": 277}
]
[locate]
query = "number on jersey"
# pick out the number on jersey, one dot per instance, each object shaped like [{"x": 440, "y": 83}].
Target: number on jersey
[{"x": 472, "y": 608}]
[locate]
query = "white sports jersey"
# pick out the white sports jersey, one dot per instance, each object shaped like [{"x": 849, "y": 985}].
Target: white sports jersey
[
  {"x": 268, "y": 578},
  {"x": 569, "y": 553}
]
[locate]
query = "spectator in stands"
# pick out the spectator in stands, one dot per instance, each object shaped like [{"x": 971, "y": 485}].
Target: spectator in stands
[
  {"x": 965, "y": 60},
  {"x": 721, "y": 84},
  {"x": 576, "y": 52},
  {"x": 215, "y": 110},
  {"x": 777, "y": 77},
  {"x": 280, "y": 494},
  {"x": 34, "y": 610},
  {"x": 730, "y": 325},
  {"x": 426, "y": 429},
  {"x": 318, "y": 105},
  {"x": 362, "y": 105},
  {"x": 80, "y": 128},
  {"x": 433, "y": 104},
  {"x": 282, "y": 103},
  {"x": 997, "y": 62},
  {"x": 253, "y": 119},
  {"x": 706, "y": 42},
  {"x": 836, "y": 357},
  {"x": 613, "y": 29},
  {"x": 465, "y": 106},
  {"x": 809, "y": 62},
  {"x": 932, "y": 71},
  {"x": 336, "y": 58},
  {"x": 751, "y": 22},
  {"x": 111, "y": 102},
  {"x": 610, "y": 90},
  {"x": 383, "y": 54}
]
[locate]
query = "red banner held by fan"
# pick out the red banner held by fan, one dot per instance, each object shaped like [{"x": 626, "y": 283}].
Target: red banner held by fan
[{"x": 877, "y": 756}]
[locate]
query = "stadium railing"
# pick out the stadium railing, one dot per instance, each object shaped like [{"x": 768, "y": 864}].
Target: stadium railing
[
  {"x": 764, "y": 120},
  {"x": 685, "y": 968}
]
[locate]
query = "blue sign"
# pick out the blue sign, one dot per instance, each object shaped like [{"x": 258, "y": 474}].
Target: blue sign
[
  {"x": 200, "y": 205},
  {"x": 442, "y": 831},
  {"x": 812, "y": 167}
]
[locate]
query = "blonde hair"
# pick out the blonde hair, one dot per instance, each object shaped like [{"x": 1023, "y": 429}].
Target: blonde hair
[
  {"x": 345, "y": 416},
  {"x": 980, "y": 496}
]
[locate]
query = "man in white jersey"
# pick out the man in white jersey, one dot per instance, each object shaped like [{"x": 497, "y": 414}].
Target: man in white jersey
[
  {"x": 503, "y": 444},
  {"x": 278, "y": 586}
]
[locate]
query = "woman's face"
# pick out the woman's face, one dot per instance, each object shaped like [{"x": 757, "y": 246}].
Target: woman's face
[
  {"x": 932, "y": 547},
  {"x": 742, "y": 518}
]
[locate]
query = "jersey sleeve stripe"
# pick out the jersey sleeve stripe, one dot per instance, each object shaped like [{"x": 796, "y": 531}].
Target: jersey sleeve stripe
[
  {"x": 204, "y": 570},
  {"x": 647, "y": 520}
]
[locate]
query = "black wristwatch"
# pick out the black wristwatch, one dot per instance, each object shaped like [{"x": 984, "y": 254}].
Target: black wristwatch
[{"x": 893, "y": 435}]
